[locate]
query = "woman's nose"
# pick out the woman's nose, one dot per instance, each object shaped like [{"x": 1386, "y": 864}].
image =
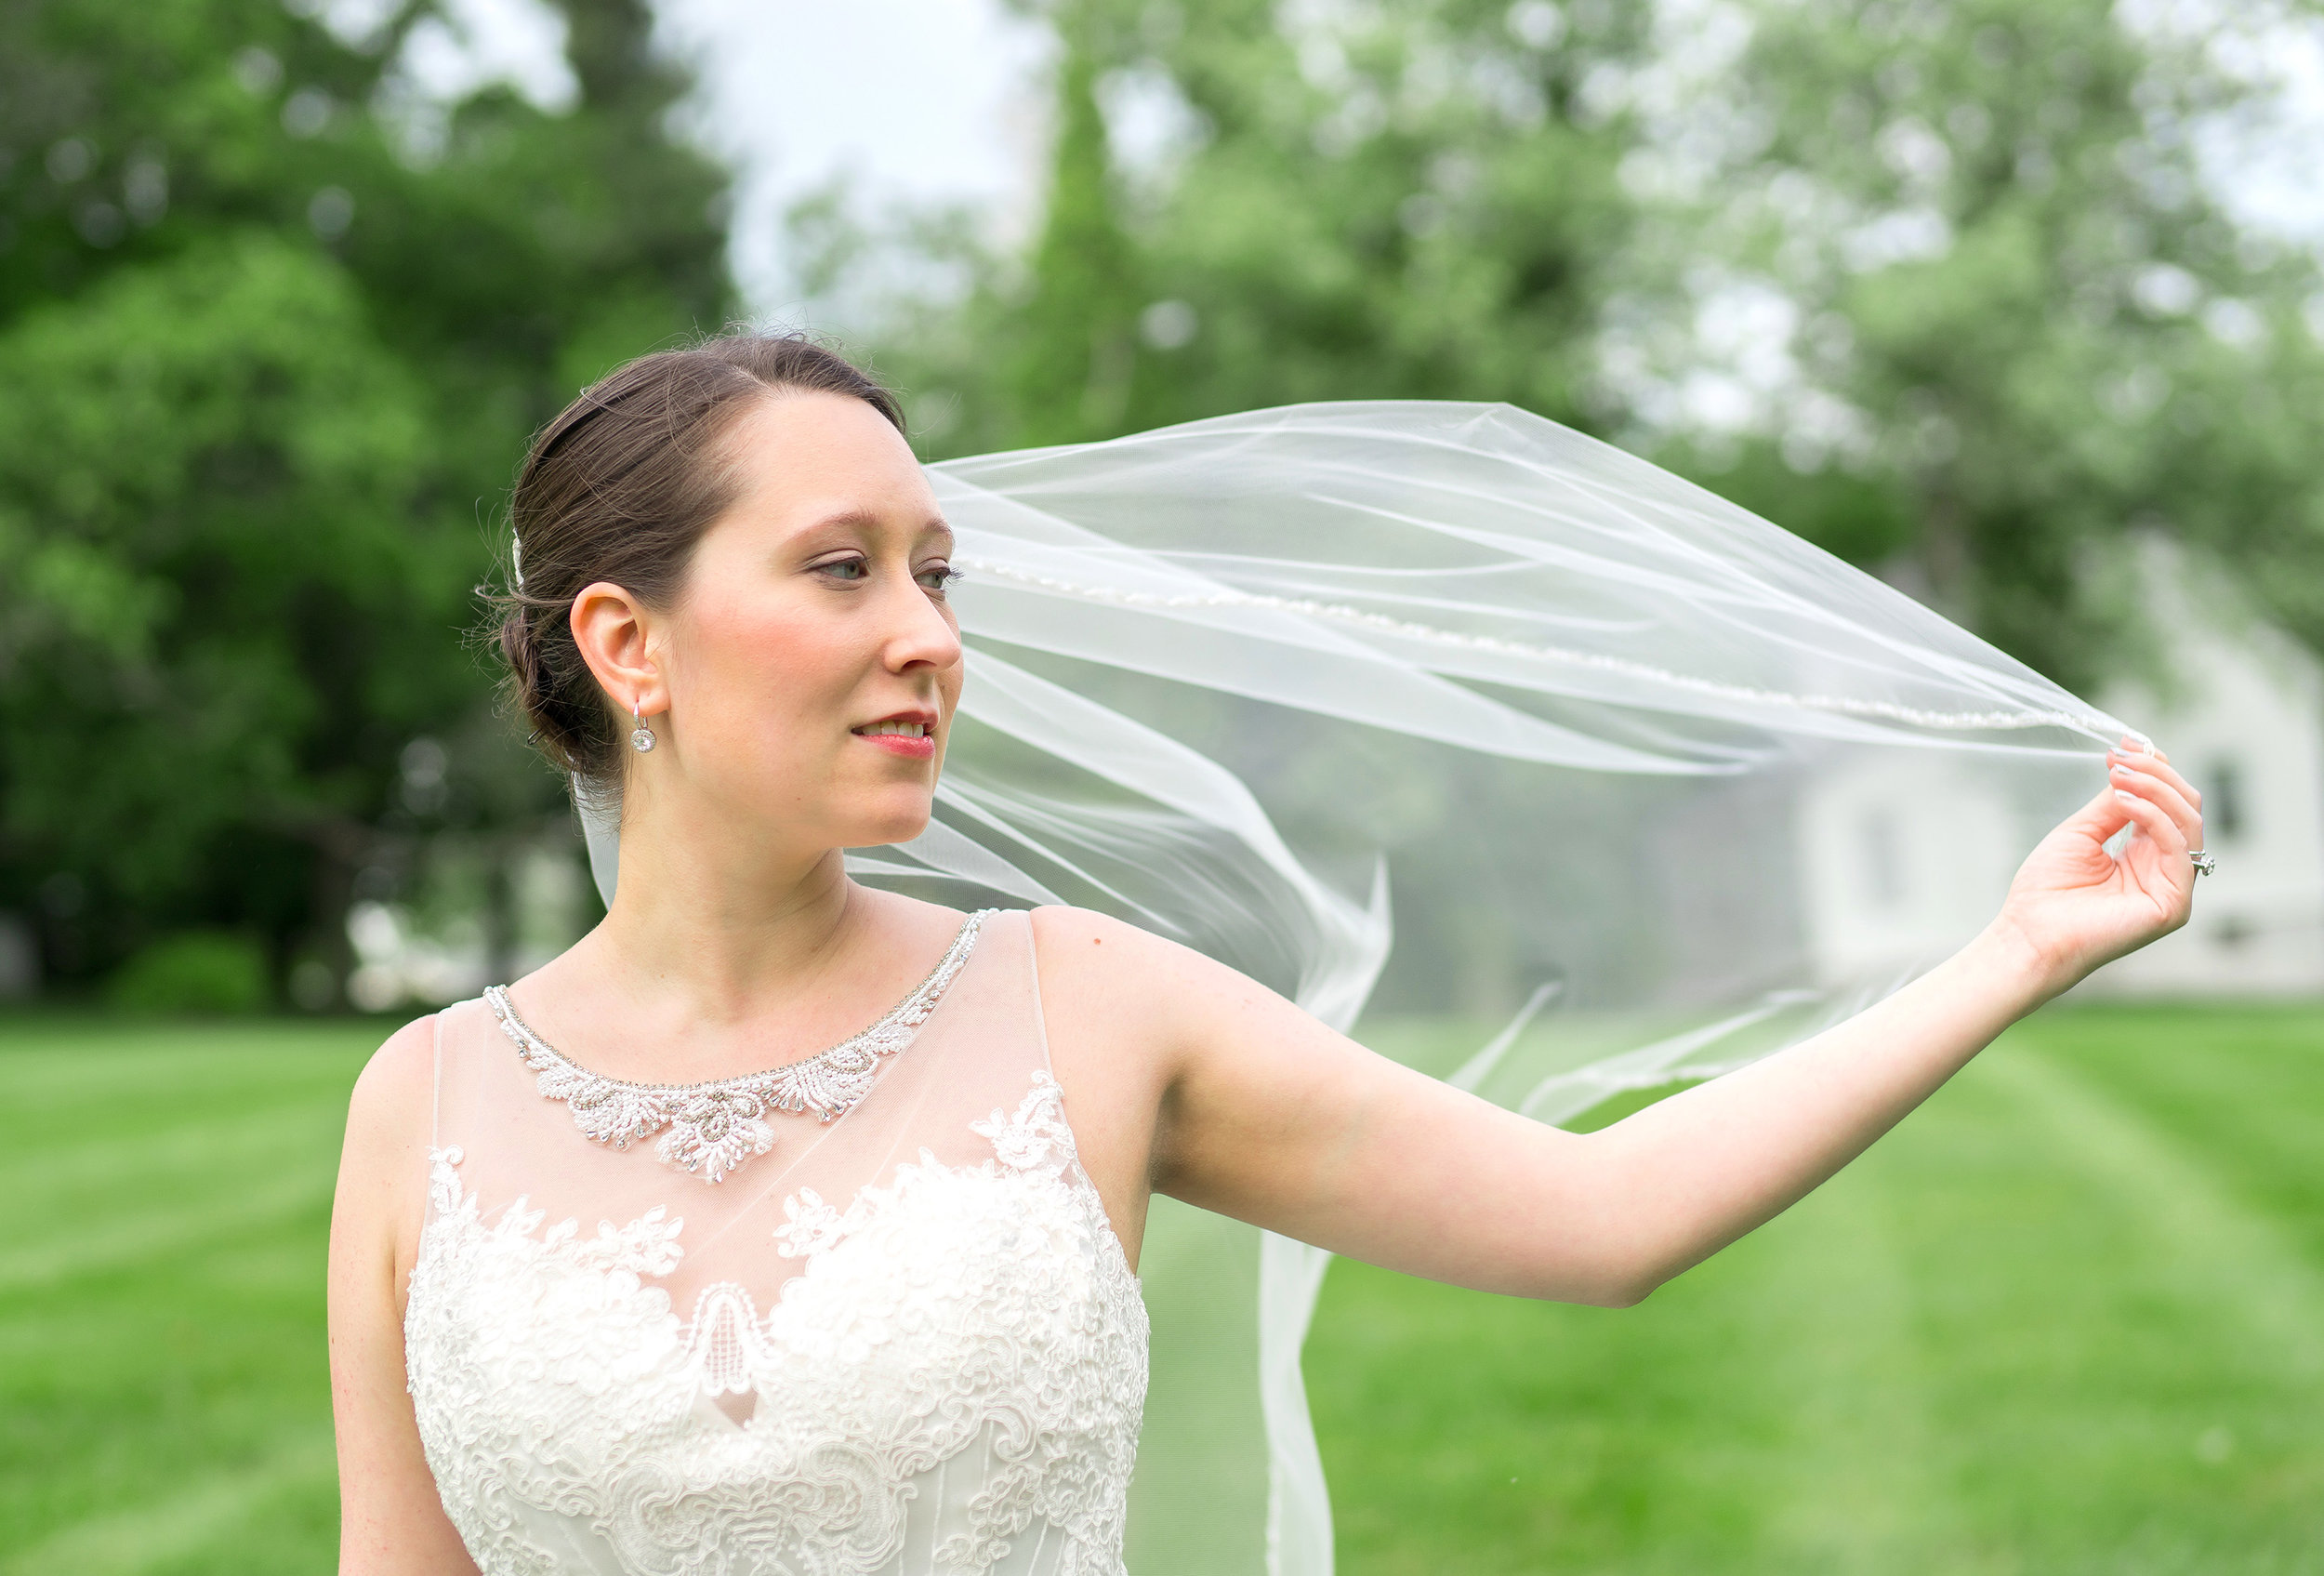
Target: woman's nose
[{"x": 925, "y": 634}]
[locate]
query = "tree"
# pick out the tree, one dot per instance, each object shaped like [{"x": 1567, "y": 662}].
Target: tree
[
  {"x": 1407, "y": 201},
  {"x": 2022, "y": 318},
  {"x": 267, "y": 357},
  {"x": 1074, "y": 353},
  {"x": 1411, "y": 199}
]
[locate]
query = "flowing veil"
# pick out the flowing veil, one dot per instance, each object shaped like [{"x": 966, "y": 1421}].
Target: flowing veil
[{"x": 1430, "y": 710}]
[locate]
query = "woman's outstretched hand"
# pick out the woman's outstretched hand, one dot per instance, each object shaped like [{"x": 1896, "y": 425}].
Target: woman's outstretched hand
[{"x": 2074, "y": 906}]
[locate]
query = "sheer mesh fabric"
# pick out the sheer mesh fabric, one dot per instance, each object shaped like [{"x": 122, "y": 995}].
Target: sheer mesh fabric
[{"x": 903, "y": 1342}]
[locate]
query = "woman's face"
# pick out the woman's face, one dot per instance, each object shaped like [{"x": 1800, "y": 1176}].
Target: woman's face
[{"x": 812, "y": 664}]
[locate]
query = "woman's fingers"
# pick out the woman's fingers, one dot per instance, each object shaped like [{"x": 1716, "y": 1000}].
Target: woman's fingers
[
  {"x": 2140, "y": 799},
  {"x": 2159, "y": 764},
  {"x": 2166, "y": 788}
]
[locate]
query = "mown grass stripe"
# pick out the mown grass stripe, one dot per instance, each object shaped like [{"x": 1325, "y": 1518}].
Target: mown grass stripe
[
  {"x": 2218, "y": 1249},
  {"x": 154, "y": 1235},
  {"x": 2038, "y": 1332},
  {"x": 195, "y": 1152},
  {"x": 1861, "y": 1482},
  {"x": 212, "y": 1512}
]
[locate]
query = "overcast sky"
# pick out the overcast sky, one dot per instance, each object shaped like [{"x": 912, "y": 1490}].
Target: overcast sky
[
  {"x": 912, "y": 99},
  {"x": 926, "y": 100}
]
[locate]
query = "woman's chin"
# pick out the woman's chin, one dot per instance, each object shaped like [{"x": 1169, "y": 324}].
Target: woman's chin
[{"x": 898, "y": 823}]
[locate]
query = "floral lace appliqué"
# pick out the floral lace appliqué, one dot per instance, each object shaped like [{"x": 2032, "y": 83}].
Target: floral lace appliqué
[
  {"x": 1036, "y": 1138},
  {"x": 647, "y": 1245},
  {"x": 810, "y": 1225},
  {"x": 958, "y": 1372}
]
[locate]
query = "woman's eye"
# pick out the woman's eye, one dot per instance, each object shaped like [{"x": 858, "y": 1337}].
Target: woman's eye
[
  {"x": 844, "y": 569},
  {"x": 939, "y": 577}
]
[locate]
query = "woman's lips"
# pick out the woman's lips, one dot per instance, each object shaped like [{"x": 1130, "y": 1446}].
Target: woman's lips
[
  {"x": 915, "y": 747},
  {"x": 914, "y": 741}
]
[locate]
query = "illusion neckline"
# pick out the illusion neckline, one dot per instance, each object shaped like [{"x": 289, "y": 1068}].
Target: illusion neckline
[{"x": 717, "y": 1124}]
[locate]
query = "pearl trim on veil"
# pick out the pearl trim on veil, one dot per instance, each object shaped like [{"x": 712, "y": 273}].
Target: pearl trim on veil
[{"x": 2009, "y": 718}]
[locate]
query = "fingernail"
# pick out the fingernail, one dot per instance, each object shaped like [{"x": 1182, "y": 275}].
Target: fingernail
[{"x": 2126, "y": 798}]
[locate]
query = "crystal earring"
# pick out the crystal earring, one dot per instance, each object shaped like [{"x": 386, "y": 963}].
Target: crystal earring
[{"x": 641, "y": 739}]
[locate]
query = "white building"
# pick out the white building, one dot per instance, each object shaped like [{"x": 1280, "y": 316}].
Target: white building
[
  {"x": 2244, "y": 721},
  {"x": 1903, "y": 857}
]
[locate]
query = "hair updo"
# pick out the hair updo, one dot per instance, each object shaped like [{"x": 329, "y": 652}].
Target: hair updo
[{"x": 619, "y": 487}]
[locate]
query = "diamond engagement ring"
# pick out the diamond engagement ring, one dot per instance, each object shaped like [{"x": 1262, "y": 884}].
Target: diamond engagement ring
[{"x": 2204, "y": 863}]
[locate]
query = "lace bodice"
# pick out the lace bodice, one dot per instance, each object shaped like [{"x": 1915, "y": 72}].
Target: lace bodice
[{"x": 912, "y": 1346}]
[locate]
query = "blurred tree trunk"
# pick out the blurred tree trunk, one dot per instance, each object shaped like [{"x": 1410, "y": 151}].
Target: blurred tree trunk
[{"x": 1075, "y": 350}]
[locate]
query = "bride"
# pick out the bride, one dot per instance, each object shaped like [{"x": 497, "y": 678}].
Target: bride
[{"x": 661, "y": 1260}]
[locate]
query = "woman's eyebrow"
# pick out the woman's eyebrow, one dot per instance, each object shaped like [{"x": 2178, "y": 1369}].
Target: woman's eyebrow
[
  {"x": 846, "y": 519},
  {"x": 860, "y": 520}
]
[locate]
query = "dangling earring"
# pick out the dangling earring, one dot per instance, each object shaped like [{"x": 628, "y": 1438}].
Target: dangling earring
[{"x": 642, "y": 740}]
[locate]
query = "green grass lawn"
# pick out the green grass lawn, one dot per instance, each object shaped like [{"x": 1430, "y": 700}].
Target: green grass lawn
[{"x": 2070, "y": 1320}]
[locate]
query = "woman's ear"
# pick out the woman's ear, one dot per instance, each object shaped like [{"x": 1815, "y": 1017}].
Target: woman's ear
[{"x": 612, "y": 630}]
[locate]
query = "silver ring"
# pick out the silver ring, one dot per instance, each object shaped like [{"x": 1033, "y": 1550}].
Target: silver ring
[{"x": 2204, "y": 863}]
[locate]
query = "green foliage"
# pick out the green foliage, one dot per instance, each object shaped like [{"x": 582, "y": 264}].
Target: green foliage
[
  {"x": 2012, "y": 270},
  {"x": 269, "y": 346},
  {"x": 1865, "y": 519},
  {"x": 269, "y": 349},
  {"x": 2021, "y": 321},
  {"x": 1404, "y": 201},
  {"x": 1397, "y": 201},
  {"x": 210, "y": 467},
  {"x": 1073, "y": 349},
  {"x": 193, "y": 971}
]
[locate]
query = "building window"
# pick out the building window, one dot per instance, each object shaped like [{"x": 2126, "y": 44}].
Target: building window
[
  {"x": 2225, "y": 805},
  {"x": 1883, "y": 861}
]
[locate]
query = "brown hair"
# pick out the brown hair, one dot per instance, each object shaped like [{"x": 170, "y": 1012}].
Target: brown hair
[{"x": 620, "y": 487}]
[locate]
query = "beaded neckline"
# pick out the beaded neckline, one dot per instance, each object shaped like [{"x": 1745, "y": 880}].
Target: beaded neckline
[{"x": 714, "y": 1126}]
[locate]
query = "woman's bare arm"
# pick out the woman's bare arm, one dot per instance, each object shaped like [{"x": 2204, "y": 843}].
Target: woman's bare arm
[
  {"x": 1267, "y": 1115},
  {"x": 392, "y": 1521}
]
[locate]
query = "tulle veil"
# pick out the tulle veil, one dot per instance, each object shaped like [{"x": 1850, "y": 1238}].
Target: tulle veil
[{"x": 1423, "y": 711}]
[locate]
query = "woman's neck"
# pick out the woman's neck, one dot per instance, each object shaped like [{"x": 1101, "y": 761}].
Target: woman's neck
[
  {"x": 728, "y": 948},
  {"x": 732, "y": 924}
]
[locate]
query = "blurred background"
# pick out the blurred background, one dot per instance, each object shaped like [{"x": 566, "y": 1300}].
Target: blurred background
[{"x": 2016, "y": 303}]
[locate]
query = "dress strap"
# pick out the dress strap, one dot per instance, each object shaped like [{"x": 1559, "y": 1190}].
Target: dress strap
[{"x": 1033, "y": 990}]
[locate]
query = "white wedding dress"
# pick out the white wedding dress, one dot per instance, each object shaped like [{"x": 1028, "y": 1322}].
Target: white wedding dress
[{"x": 904, "y": 1339}]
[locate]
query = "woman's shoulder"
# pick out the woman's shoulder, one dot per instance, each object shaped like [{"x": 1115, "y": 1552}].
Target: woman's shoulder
[
  {"x": 1078, "y": 942},
  {"x": 1083, "y": 953},
  {"x": 1131, "y": 1016},
  {"x": 383, "y": 1164},
  {"x": 389, "y": 1105}
]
